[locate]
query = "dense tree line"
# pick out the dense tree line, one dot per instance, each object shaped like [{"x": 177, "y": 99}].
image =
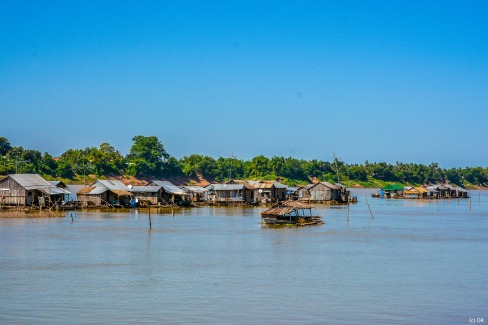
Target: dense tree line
[{"x": 148, "y": 158}]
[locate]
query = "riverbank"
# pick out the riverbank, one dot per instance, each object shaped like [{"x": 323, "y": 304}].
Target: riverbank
[{"x": 30, "y": 213}]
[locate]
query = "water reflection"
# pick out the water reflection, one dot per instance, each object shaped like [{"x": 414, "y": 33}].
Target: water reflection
[{"x": 416, "y": 262}]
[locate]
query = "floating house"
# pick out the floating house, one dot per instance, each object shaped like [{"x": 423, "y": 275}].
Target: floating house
[
  {"x": 197, "y": 193},
  {"x": 433, "y": 192},
  {"x": 30, "y": 190},
  {"x": 454, "y": 191},
  {"x": 392, "y": 190},
  {"x": 292, "y": 193},
  {"x": 171, "y": 194},
  {"x": 59, "y": 184},
  {"x": 231, "y": 193},
  {"x": 268, "y": 191},
  {"x": 105, "y": 192},
  {"x": 415, "y": 193},
  {"x": 323, "y": 192},
  {"x": 147, "y": 195}
]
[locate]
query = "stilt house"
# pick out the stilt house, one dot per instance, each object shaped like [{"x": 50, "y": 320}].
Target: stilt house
[
  {"x": 148, "y": 195},
  {"x": 231, "y": 193},
  {"x": 197, "y": 193},
  {"x": 104, "y": 192},
  {"x": 30, "y": 189},
  {"x": 268, "y": 191},
  {"x": 171, "y": 193},
  {"x": 323, "y": 191}
]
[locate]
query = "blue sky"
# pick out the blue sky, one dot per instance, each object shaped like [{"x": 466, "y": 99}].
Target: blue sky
[{"x": 378, "y": 81}]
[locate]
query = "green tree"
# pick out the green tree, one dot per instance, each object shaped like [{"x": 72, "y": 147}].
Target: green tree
[
  {"x": 48, "y": 165},
  {"x": 357, "y": 173},
  {"x": 317, "y": 168},
  {"x": 293, "y": 169},
  {"x": 277, "y": 165},
  {"x": 147, "y": 156},
  {"x": 172, "y": 168},
  {"x": 105, "y": 160},
  {"x": 195, "y": 164},
  {"x": 229, "y": 168},
  {"x": 259, "y": 166},
  {"x": 5, "y": 146}
]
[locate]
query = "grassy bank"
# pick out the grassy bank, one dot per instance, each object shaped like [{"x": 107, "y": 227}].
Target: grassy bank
[{"x": 14, "y": 213}]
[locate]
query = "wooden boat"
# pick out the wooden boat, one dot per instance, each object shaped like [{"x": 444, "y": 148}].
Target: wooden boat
[{"x": 290, "y": 213}]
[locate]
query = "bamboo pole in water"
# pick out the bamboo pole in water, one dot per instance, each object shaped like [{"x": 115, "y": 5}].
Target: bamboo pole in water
[
  {"x": 150, "y": 223},
  {"x": 371, "y": 212}
]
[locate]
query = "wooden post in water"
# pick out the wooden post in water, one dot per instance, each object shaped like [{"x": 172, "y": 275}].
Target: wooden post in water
[
  {"x": 348, "y": 204},
  {"x": 371, "y": 212},
  {"x": 150, "y": 223},
  {"x": 469, "y": 204}
]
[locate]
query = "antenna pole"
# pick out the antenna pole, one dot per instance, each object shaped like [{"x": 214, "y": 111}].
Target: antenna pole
[{"x": 337, "y": 167}]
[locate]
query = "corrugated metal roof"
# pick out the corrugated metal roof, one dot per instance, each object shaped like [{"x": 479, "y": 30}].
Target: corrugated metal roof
[
  {"x": 98, "y": 190},
  {"x": 330, "y": 185},
  {"x": 30, "y": 181},
  {"x": 267, "y": 185},
  {"x": 112, "y": 184},
  {"x": 36, "y": 182},
  {"x": 145, "y": 189},
  {"x": 196, "y": 189},
  {"x": 263, "y": 185},
  {"x": 279, "y": 185},
  {"x": 226, "y": 187},
  {"x": 169, "y": 187},
  {"x": 54, "y": 190},
  {"x": 432, "y": 189},
  {"x": 252, "y": 182}
]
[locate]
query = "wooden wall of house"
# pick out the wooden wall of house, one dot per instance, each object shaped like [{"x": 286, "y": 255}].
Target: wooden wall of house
[
  {"x": 93, "y": 198},
  {"x": 175, "y": 198},
  {"x": 320, "y": 192},
  {"x": 265, "y": 195},
  {"x": 235, "y": 195},
  {"x": 153, "y": 198},
  {"x": 272, "y": 195},
  {"x": 116, "y": 199},
  {"x": 280, "y": 194},
  {"x": 16, "y": 195},
  {"x": 303, "y": 193}
]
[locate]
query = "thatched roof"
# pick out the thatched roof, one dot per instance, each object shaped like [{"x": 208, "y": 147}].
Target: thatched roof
[
  {"x": 85, "y": 190},
  {"x": 122, "y": 192}
]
